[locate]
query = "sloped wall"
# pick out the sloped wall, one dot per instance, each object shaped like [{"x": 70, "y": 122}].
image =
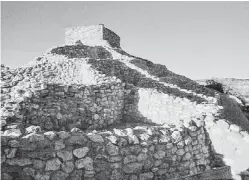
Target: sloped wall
[{"x": 164, "y": 108}]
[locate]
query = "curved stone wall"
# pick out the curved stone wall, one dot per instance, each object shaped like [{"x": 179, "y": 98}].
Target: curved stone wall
[{"x": 131, "y": 153}]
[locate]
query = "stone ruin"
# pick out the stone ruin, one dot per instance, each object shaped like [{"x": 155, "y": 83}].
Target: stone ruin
[
  {"x": 89, "y": 110},
  {"x": 92, "y": 35}
]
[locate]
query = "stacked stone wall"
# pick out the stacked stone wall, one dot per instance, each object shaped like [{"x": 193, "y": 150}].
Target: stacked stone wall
[
  {"x": 91, "y": 35},
  {"x": 131, "y": 113},
  {"x": 111, "y": 37},
  {"x": 118, "y": 69},
  {"x": 84, "y": 33},
  {"x": 59, "y": 107},
  {"x": 131, "y": 153},
  {"x": 178, "y": 148},
  {"x": 161, "y": 108},
  {"x": 62, "y": 107},
  {"x": 166, "y": 75}
]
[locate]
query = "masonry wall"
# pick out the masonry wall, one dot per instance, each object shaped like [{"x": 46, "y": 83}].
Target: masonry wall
[
  {"x": 162, "y": 108},
  {"x": 84, "y": 33},
  {"x": 131, "y": 112},
  {"x": 134, "y": 153},
  {"x": 111, "y": 37},
  {"x": 66, "y": 152},
  {"x": 138, "y": 153},
  {"x": 58, "y": 107},
  {"x": 91, "y": 35}
]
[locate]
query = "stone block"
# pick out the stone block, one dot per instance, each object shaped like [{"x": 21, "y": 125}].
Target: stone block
[
  {"x": 53, "y": 164},
  {"x": 65, "y": 155},
  {"x": 133, "y": 168}
]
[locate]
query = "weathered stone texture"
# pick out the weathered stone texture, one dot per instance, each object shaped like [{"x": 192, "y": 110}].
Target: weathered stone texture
[
  {"x": 101, "y": 156},
  {"x": 76, "y": 113},
  {"x": 92, "y": 34}
]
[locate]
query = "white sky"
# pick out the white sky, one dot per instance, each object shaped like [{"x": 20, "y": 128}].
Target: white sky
[{"x": 195, "y": 39}]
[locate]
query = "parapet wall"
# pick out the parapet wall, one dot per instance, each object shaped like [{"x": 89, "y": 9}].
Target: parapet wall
[
  {"x": 91, "y": 35},
  {"x": 131, "y": 153}
]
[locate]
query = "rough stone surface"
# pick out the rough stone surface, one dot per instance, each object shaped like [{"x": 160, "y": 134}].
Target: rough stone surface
[
  {"x": 146, "y": 176},
  {"x": 19, "y": 162},
  {"x": 53, "y": 164},
  {"x": 95, "y": 138},
  {"x": 68, "y": 166},
  {"x": 116, "y": 175},
  {"x": 65, "y": 155},
  {"x": 59, "y": 145},
  {"x": 38, "y": 164},
  {"x": 130, "y": 158},
  {"x": 42, "y": 176},
  {"x": 159, "y": 154},
  {"x": 6, "y": 176},
  {"x": 81, "y": 152},
  {"x": 133, "y": 167},
  {"x": 86, "y": 163},
  {"x": 112, "y": 149},
  {"x": 91, "y": 111},
  {"x": 59, "y": 175}
]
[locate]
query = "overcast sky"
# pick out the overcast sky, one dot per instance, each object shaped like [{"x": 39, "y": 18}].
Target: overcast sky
[{"x": 195, "y": 39}]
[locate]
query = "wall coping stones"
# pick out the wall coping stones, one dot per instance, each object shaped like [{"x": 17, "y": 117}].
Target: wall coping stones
[
  {"x": 95, "y": 137},
  {"x": 81, "y": 152}
]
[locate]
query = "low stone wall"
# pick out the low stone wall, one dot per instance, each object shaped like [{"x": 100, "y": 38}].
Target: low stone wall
[{"x": 131, "y": 153}]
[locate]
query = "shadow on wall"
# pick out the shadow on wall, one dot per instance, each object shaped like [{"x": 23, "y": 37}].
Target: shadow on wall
[
  {"x": 232, "y": 112},
  {"x": 81, "y": 51},
  {"x": 166, "y": 75},
  {"x": 127, "y": 75},
  {"x": 59, "y": 107},
  {"x": 229, "y": 105},
  {"x": 215, "y": 85}
]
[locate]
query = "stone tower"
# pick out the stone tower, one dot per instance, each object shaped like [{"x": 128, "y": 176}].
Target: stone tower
[{"x": 92, "y": 35}]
